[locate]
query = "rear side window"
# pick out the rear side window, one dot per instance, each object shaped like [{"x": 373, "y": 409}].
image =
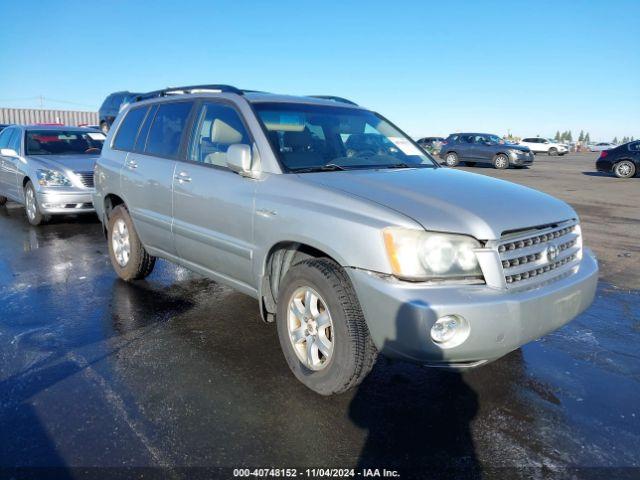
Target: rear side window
[
  {"x": 167, "y": 127},
  {"x": 141, "y": 142},
  {"x": 128, "y": 131},
  {"x": 5, "y": 136},
  {"x": 16, "y": 139},
  {"x": 634, "y": 147}
]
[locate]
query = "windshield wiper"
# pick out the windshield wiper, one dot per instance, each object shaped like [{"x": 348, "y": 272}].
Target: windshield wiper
[{"x": 329, "y": 167}]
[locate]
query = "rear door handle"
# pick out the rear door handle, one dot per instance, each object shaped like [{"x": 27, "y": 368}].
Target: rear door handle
[
  {"x": 183, "y": 177},
  {"x": 131, "y": 164}
]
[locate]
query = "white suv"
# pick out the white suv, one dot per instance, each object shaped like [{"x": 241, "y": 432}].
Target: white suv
[{"x": 544, "y": 145}]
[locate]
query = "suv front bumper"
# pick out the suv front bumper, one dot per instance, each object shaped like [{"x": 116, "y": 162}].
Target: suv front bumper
[
  {"x": 400, "y": 314},
  {"x": 521, "y": 158}
]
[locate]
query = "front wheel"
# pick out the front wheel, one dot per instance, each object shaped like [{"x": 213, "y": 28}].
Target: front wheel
[
  {"x": 31, "y": 207},
  {"x": 321, "y": 328},
  {"x": 451, "y": 159},
  {"x": 501, "y": 161},
  {"x": 624, "y": 169},
  {"x": 3, "y": 200},
  {"x": 553, "y": 151},
  {"x": 128, "y": 256}
]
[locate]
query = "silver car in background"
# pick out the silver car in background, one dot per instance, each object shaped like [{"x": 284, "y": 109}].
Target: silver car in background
[
  {"x": 49, "y": 169},
  {"x": 353, "y": 240}
]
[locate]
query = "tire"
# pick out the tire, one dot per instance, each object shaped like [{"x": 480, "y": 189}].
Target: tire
[
  {"x": 104, "y": 126},
  {"x": 3, "y": 200},
  {"x": 128, "y": 256},
  {"x": 501, "y": 161},
  {"x": 31, "y": 207},
  {"x": 624, "y": 169},
  {"x": 553, "y": 151},
  {"x": 470, "y": 164},
  {"x": 451, "y": 159},
  {"x": 351, "y": 353}
]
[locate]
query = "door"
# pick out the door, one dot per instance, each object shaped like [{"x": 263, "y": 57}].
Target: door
[
  {"x": 10, "y": 138},
  {"x": 5, "y": 135},
  {"x": 464, "y": 147},
  {"x": 479, "y": 150},
  {"x": 213, "y": 206},
  {"x": 147, "y": 173}
]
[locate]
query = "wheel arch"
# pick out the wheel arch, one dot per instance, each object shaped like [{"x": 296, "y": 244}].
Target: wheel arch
[
  {"x": 110, "y": 201},
  {"x": 278, "y": 260}
]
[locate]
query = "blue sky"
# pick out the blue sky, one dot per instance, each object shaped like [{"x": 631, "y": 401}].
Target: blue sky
[{"x": 431, "y": 67}]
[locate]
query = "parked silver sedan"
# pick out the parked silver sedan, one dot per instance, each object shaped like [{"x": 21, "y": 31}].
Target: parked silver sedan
[{"x": 49, "y": 169}]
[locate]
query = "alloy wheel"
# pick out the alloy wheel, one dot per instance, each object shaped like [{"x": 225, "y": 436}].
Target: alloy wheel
[
  {"x": 30, "y": 203},
  {"x": 624, "y": 169},
  {"x": 502, "y": 161},
  {"x": 121, "y": 243},
  {"x": 310, "y": 328}
]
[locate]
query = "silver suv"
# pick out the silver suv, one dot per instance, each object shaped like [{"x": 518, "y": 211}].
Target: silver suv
[{"x": 351, "y": 238}]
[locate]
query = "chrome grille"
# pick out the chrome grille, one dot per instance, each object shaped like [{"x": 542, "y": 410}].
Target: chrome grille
[
  {"x": 540, "y": 255},
  {"x": 86, "y": 178}
]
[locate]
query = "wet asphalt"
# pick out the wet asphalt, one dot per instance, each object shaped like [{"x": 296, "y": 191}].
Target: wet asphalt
[{"x": 177, "y": 372}]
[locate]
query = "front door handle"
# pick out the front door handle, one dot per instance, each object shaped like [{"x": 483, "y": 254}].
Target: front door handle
[
  {"x": 183, "y": 177},
  {"x": 132, "y": 164}
]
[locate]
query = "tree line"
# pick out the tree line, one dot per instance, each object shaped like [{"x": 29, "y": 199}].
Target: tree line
[{"x": 585, "y": 138}]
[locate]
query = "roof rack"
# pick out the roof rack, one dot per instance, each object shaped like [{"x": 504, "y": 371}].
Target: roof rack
[
  {"x": 334, "y": 98},
  {"x": 185, "y": 90}
]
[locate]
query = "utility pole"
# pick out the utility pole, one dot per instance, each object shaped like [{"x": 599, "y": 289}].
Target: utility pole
[{"x": 41, "y": 101}]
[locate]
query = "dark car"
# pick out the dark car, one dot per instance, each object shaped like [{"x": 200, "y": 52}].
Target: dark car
[
  {"x": 3, "y": 126},
  {"x": 472, "y": 148},
  {"x": 622, "y": 161},
  {"x": 110, "y": 108},
  {"x": 431, "y": 144}
]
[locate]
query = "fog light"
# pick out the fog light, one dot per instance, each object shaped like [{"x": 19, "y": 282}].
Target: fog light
[{"x": 450, "y": 331}]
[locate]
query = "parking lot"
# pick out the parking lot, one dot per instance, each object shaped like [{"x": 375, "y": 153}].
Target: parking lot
[{"x": 178, "y": 371}]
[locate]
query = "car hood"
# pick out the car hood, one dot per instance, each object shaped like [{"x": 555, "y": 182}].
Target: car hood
[
  {"x": 75, "y": 163},
  {"x": 448, "y": 200}
]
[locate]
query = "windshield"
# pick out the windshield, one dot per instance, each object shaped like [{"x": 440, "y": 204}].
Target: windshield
[
  {"x": 63, "y": 142},
  {"x": 316, "y": 137}
]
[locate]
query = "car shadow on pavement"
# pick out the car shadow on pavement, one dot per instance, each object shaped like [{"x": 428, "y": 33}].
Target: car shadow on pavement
[
  {"x": 418, "y": 418},
  {"x": 597, "y": 174}
]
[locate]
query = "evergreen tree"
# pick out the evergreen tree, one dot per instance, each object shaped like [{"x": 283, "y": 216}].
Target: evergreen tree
[
  {"x": 615, "y": 140},
  {"x": 581, "y": 136},
  {"x": 569, "y": 136},
  {"x": 557, "y": 137},
  {"x": 586, "y": 138}
]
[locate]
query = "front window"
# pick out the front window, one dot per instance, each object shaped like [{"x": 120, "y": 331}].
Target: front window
[
  {"x": 63, "y": 142},
  {"x": 315, "y": 137}
]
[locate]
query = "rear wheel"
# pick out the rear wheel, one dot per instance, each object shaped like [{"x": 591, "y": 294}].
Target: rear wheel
[
  {"x": 501, "y": 161},
  {"x": 553, "y": 151},
  {"x": 31, "y": 207},
  {"x": 321, "y": 328},
  {"x": 3, "y": 200},
  {"x": 624, "y": 169},
  {"x": 451, "y": 159},
  {"x": 128, "y": 256}
]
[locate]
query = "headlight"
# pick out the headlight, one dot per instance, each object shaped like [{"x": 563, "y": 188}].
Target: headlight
[
  {"x": 52, "y": 178},
  {"x": 421, "y": 255},
  {"x": 517, "y": 152}
]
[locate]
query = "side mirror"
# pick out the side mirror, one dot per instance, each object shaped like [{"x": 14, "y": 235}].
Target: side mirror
[
  {"x": 8, "y": 152},
  {"x": 239, "y": 158}
]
